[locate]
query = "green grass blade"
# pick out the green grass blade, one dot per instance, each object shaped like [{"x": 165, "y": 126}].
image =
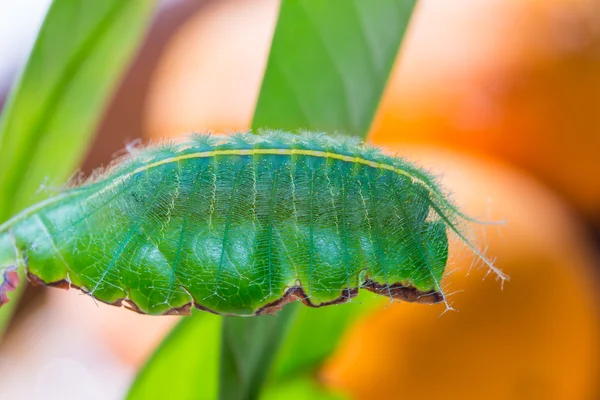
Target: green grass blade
[
  {"x": 50, "y": 117},
  {"x": 329, "y": 64},
  {"x": 248, "y": 346},
  {"x": 185, "y": 365},
  {"x": 300, "y": 387},
  {"x": 81, "y": 51}
]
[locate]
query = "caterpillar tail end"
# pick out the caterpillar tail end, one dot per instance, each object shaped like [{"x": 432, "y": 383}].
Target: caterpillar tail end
[{"x": 10, "y": 281}]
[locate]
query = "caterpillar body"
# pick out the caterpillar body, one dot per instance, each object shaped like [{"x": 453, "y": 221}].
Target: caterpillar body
[{"x": 239, "y": 225}]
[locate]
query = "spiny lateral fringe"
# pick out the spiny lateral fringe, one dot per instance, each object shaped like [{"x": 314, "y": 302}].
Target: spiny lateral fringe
[{"x": 240, "y": 225}]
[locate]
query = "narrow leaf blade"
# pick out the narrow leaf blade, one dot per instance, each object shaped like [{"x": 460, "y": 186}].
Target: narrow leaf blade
[
  {"x": 80, "y": 53},
  {"x": 248, "y": 346},
  {"x": 329, "y": 64},
  {"x": 185, "y": 365},
  {"x": 50, "y": 116}
]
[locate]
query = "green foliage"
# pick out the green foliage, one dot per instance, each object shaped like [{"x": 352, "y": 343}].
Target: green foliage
[
  {"x": 51, "y": 115},
  {"x": 246, "y": 349},
  {"x": 186, "y": 364},
  {"x": 299, "y": 387},
  {"x": 329, "y": 63},
  {"x": 79, "y": 55}
]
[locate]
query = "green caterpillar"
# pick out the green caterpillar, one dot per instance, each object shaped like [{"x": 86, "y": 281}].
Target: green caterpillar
[{"x": 240, "y": 225}]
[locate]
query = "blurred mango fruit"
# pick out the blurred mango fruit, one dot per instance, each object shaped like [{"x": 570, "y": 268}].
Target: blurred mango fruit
[{"x": 537, "y": 338}]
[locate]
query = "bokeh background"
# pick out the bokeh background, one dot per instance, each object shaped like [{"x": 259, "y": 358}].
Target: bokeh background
[{"x": 500, "y": 98}]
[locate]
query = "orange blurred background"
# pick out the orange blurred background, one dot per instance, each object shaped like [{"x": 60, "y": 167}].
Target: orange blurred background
[{"x": 499, "y": 98}]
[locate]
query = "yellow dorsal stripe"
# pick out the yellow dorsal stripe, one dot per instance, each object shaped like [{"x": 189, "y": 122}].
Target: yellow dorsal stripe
[
  {"x": 213, "y": 153},
  {"x": 280, "y": 152}
]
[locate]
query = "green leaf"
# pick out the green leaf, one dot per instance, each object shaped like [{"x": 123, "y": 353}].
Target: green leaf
[
  {"x": 300, "y": 387},
  {"x": 50, "y": 117},
  {"x": 248, "y": 346},
  {"x": 81, "y": 51},
  {"x": 185, "y": 365},
  {"x": 329, "y": 64}
]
